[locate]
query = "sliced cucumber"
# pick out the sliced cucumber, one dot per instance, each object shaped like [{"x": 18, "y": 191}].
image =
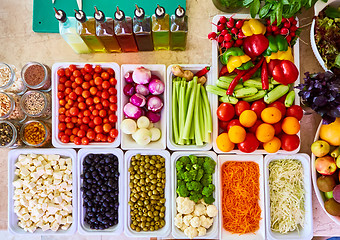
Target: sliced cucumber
[
  {"x": 290, "y": 98},
  {"x": 228, "y": 99},
  {"x": 259, "y": 95},
  {"x": 245, "y": 92},
  {"x": 227, "y": 79},
  {"x": 256, "y": 84},
  {"x": 225, "y": 85},
  {"x": 275, "y": 94},
  {"x": 216, "y": 90}
]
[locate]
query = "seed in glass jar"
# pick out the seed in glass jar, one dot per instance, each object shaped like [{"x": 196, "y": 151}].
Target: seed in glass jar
[
  {"x": 34, "y": 75},
  {"x": 6, "y": 134},
  {"x": 5, "y": 104},
  {"x": 34, "y": 133},
  {"x": 34, "y": 103},
  {"x": 5, "y": 75}
]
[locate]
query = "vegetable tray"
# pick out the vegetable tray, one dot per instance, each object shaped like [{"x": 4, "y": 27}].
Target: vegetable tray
[{"x": 216, "y": 66}]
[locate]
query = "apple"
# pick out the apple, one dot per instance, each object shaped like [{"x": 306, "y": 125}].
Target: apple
[
  {"x": 320, "y": 148},
  {"x": 338, "y": 163},
  {"x": 325, "y": 165}
]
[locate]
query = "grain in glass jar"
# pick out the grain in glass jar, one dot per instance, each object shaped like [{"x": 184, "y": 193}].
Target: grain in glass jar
[
  {"x": 36, "y": 133},
  {"x": 10, "y": 107},
  {"x": 36, "y": 76},
  {"x": 9, "y": 134},
  {"x": 10, "y": 79},
  {"x": 36, "y": 104}
]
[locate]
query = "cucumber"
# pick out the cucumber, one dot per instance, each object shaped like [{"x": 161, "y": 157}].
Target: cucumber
[
  {"x": 275, "y": 82},
  {"x": 290, "y": 98},
  {"x": 275, "y": 94},
  {"x": 216, "y": 90},
  {"x": 245, "y": 92},
  {"x": 256, "y": 84},
  {"x": 227, "y": 79},
  {"x": 259, "y": 95},
  {"x": 228, "y": 99},
  {"x": 225, "y": 85}
]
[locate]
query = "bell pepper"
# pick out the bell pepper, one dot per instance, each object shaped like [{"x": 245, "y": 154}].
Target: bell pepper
[
  {"x": 253, "y": 26},
  {"x": 233, "y": 51},
  {"x": 281, "y": 55},
  {"x": 246, "y": 66},
  {"x": 277, "y": 43},
  {"x": 285, "y": 72},
  {"x": 236, "y": 61},
  {"x": 255, "y": 45}
]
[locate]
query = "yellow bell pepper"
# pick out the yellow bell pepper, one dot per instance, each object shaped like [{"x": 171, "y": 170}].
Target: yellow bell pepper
[
  {"x": 236, "y": 61},
  {"x": 282, "y": 55},
  {"x": 252, "y": 27}
]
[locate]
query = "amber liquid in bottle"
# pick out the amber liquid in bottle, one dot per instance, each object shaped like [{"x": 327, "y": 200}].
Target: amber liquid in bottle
[
  {"x": 124, "y": 33},
  {"x": 142, "y": 30}
]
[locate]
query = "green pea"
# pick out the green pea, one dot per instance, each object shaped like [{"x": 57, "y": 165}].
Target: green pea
[
  {"x": 158, "y": 165},
  {"x": 162, "y": 223},
  {"x": 161, "y": 215},
  {"x": 152, "y": 228},
  {"x": 149, "y": 220},
  {"x": 133, "y": 227},
  {"x": 145, "y": 229},
  {"x": 137, "y": 229},
  {"x": 156, "y": 227},
  {"x": 137, "y": 176},
  {"x": 138, "y": 156},
  {"x": 155, "y": 213},
  {"x": 156, "y": 218},
  {"x": 133, "y": 199},
  {"x": 153, "y": 181},
  {"x": 162, "y": 200},
  {"x": 152, "y": 162},
  {"x": 162, "y": 209},
  {"x": 150, "y": 214}
]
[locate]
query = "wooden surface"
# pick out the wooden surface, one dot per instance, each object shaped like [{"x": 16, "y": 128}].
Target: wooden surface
[{"x": 19, "y": 44}]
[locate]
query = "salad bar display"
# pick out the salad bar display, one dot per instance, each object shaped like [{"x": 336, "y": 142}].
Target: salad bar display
[{"x": 211, "y": 151}]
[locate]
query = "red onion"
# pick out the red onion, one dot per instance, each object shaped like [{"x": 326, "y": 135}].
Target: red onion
[
  {"x": 153, "y": 116},
  {"x": 156, "y": 87},
  {"x": 138, "y": 100},
  {"x": 129, "y": 90},
  {"x": 142, "y": 89},
  {"x": 128, "y": 77},
  {"x": 155, "y": 104}
]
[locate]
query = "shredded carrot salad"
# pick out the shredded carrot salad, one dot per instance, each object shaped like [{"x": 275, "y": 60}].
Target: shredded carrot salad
[{"x": 241, "y": 211}]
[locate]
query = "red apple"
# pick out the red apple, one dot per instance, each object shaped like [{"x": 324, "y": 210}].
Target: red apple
[{"x": 325, "y": 165}]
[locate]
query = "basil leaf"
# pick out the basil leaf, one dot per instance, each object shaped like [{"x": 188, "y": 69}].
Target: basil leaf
[
  {"x": 254, "y": 8},
  {"x": 247, "y": 2},
  {"x": 265, "y": 10},
  {"x": 279, "y": 13}
]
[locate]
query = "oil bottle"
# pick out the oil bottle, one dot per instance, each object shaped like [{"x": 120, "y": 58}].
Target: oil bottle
[
  {"x": 124, "y": 32},
  {"x": 142, "y": 30},
  {"x": 86, "y": 28},
  {"x": 68, "y": 30},
  {"x": 105, "y": 32},
  {"x": 160, "y": 29},
  {"x": 178, "y": 30}
]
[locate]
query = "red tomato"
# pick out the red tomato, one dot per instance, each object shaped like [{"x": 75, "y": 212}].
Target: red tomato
[
  {"x": 280, "y": 106},
  {"x": 111, "y": 71},
  {"x": 72, "y": 67},
  {"x": 102, "y": 113},
  {"x": 105, "y": 75},
  {"x": 70, "y": 124},
  {"x": 62, "y": 110},
  {"x": 62, "y": 118},
  {"x": 250, "y": 144},
  {"x": 75, "y": 131},
  {"x": 277, "y": 127},
  {"x": 105, "y": 95},
  {"x": 68, "y": 132},
  {"x": 60, "y": 134},
  {"x": 112, "y": 91},
  {"x": 73, "y": 96},
  {"x": 61, "y": 126},
  {"x": 113, "y": 81},
  {"x": 78, "y": 90},
  {"x": 106, "y": 103},
  {"x": 234, "y": 122},
  {"x": 61, "y": 72},
  {"x": 258, "y": 107},
  {"x": 114, "y": 133},
  {"x": 74, "y": 111},
  {"x": 106, "y": 85},
  {"x": 61, "y": 87},
  {"x": 241, "y": 106},
  {"x": 112, "y": 118},
  {"x": 89, "y": 101},
  {"x": 88, "y": 68},
  {"x": 110, "y": 139},
  {"x": 290, "y": 142},
  {"x": 80, "y": 99},
  {"x": 86, "y": 120},
  {"x": 87, "y": 113},
  {"x": 99, "y": 106},
  {"x": 98, "y": 129},
  {"x": 295, "y": 111},
  {"x": 62, "y": 80},
  {"x": 98, "y": 69},
  {"x": 107, "y": 127},
  {"x": 97, "y": 120},
  {"x": 113, "y": 99},
  {"x": 225, "y": 112},
  {"x": 91, "y": 134},
  {"x": 68, "y": 72},
  {"x": 86, "y": 94},
  {"x": 72, "y": 138},
  {"x": 255, "y": 126},
  {"x": 76, "y": 73},
  {"x": 86, "y": 85},
  {"x": 98, "y": 81},
  {"x": 77, "y": 140},
  {"x": 81, "y": 133},
  {"x": 65, "y": 139},
  {"x": 82, "y": 105},
  {"x": 113, "y": 107}
]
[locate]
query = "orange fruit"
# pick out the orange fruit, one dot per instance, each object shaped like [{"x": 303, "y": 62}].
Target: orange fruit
[
  {"x": 223, "y": 143},
  {"x": 273, "y": 145},
  {"x": 237, "y": 134},
  {"x": 265, "y": 132},
  {"x": 290, "y": 125},
  {"x": 248, "y": 118},
  {"x": 271, "y": 115}
]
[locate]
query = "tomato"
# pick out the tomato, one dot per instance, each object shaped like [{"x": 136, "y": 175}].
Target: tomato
[
  {"x": 89, "y": 101},
  {"x": 88, "y": 68},
  {"x": 111, "y": 71},
  {"x": 95, "y": 112},
  {"x": 91, "y": 134},
  {"x": 79, "y": 80},
  {"x": 295, "y": 111},
  {"x": 290, "y": 142},
  {"x": 87, "y": 77},
  {"x": 105, "y": 75},
  {"x": 61, "y": 72},
  {"x": 65, "y": 139},
  {"x": 76, "y": 73},
  {"x": 258, "y": 107},
  {"x": 86, "y": 85},
  {"x": 112, "y": 91},
  {"x": 68, "y": 132},
  {"x": 60, "y": 134},
  {"x": 61, "y": 87},
  {"x": 68, "y": 72},
  {"x": 97, "y": 120},
  {"x": 73, "y": 96},
  {"x": 81, "y": 133},
  {"x": 61, "y": 126},
  {"x": 241, "y": 106},
  {"x": 225, "y": 112},
  {"x": 234, "y": 122},
  {"x": 107, "y": 127},
  {"x": 250, "y": 144},
  {"x": 87, "y": 113},
  {"x": 96, "y": 100},
  {"x": 280, "y": 106},
  {"x": 93, "y": 90},
  {"x": 113, "y": 99},
  {"x": 277, "y": 127},
  {"x": 86, "y": 120},
  {"x": 113, "y": 81},
  {"x": 99, "y": 106},
  {"x": 86, "y": 94},
  {"x": 74, "y": 111},
  {"x": 77, "y": 140},
  {"x": 106, "y": 103},
  {"x": 62, "y": 80},
  {"x": 72, "y": 67},
  {"x": 99, "y": 93},
  {"x": 102, "y": 113},
  {"x": 105, "y": 120},
  {"x": 113, "y": 107},
  {"x": 98, "y": 69},
  {"x": 110, "y": 139},
  {"x": 60, "y": 95},
  {"x": 67, "y": 119},
  {"x": 105, "y": 95},
  {"x": 107, "y": 85},
  {"x": 83, "y": 72},
  {"x": 68, "y": 91},
  {"x": 98, "y": 129},
  {"x": 114, "y": 133},
  {"x": 112, "y": 118},
  {"x": 70, "y": 125},
  {"x": 72, "y": 138},
  {"x": 254, "y": 127},
  {"x": 62, "y": 110},
  {"x": 61, "y": 118},
  {"x": 98, "y": 81},
  {"x": 72, "y": 78}
]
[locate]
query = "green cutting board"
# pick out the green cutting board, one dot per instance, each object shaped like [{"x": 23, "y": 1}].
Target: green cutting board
[{"x": 44, "y": 20}]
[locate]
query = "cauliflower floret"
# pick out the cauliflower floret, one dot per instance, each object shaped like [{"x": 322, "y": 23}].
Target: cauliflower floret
[
  {"x": 185, "y": 206},
  {"x": 186, "y": 219},
  {"x": 195, "y": 222},
  {"x": 179, "y": 200},
  {"x": 191, "y": 232},
  {"x": 200, "y": 209},
  {"x": 179, "y": 220},
  {"x": 212, "y": 211},
  {"x": 206, "y": 222},
  {"x": 201, "y": 231}
]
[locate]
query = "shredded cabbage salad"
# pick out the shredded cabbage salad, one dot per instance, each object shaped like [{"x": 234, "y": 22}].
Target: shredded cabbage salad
[{"x": 287, "y": 195}]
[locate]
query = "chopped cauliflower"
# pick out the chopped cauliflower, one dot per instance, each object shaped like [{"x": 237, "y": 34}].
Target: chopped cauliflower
[
  {"x": 206, "y": 222},
  {"x": 185, "y": 206},
  {"x": 201, "y": 231},
  {"x": 179, "y": 200},
  {"x": 200, "y": 209},
  {"x": 195, "y": 222},
  {"x": 212, "y": 211},
  {"x": 186, "y": 219},
  {"x": 179, "y": 220},
  {"x": 191, "y": 232}
]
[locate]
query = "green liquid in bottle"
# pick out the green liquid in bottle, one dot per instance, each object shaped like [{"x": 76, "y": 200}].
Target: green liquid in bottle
[
  {"x": 87, "y": 31},
  {"x": 178, "y": 40},
  {"x": 179, "y": 30},
  {"x": 161, "y": 32}
]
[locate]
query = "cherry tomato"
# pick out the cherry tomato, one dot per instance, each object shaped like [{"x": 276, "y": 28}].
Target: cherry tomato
[
  {"x": 290, "y": 142},
  {"x": 258, "y": 107},
  {"x": 84, "y": 127},
  {"x": 113, "y": 99},
  {"x": 106, "y": 85},
  {"x": 110, "y": 139},
  {"x": 105, "y": 95},
  {"x": 114, "y": 133},
  {"x": 95, "y": 112},
  {"x": 80, "y": 115},
  {"x": 60, "y": 95},
  {"x": 83, "y": 72},
  {"x": 112, "y": 91},
  {"x": 113, "y": 107},
  {"x": 99, "y": 106},
  {"x": 70, "y": 102},
  {"x": 98, "y": 69},
  {"x": 73, "y": 96},
  {"x": 88, "y": 68},
  {"x": 61, "y": 126},
  {"x": 74, "y": 85},
  {"x": 62, "y": 110},
  {"x": 92, "y": 82},
  {"x": 278, "y": 128},
  {"x": 112, "y": 118},
  {"x": 98, "y": 129},
  {"x": 68, "y": 132},
  {"x": 80, "y": 99},
  {"x": 102, "y": 113},
  {"x": 86, "y": 120},
  {"x": 77, "y": 140},
  {"x": 61, "y": 87},
  {"x": 82, "y": 105},
  {"x": 68, "y": 83},
  {"x": 78, "y": 90},
  {"x": 96, "y": 100},
  {"x": 87, "y": 77},
  {"x": 89, "y": 101},
  {"x": 74, "y": 111},
  {"x": 86, "y": 94},
  {"x": 295, "y": 111},
  {"x": 225, "y": 112},
  {"x": 72, "y": 78},
  {"x": 250, "y": 144},
  {"x": 61, "y": 72},
  {"x": 76, "y": 73},
  {"x": 223, "y": 124},
  {"x": 60, "y": 134},
  {"x": 92, "y": 125},
  {"x": 62, "y": 118},
  {"x": 234, "y": 122},
  {"x": 107, "y": 127},
  {"x": 93, "y": 90},
  {"x": 113, "y": 81},
  {"x": 91, "y": 134},
  {"x": 97, "y": 120},
  {"x": 68, "y": 72},
  {"x": 99, "y": 93},
  {"x": 86, "y": 85},
  {"x": 62, "y": 80},
  {"x": 72, "y": 67},
  {"x": 241, "y": 106},
  {"x": 68, "y": 118},
  {"x": 87, "y": 113},
  {"x": 106, "y": 103},
  {"x": 68, "y": 91},
  {"x": 70, "y": 125},
  {"x": 98, "y": 81},
  {"x": 105, "y": 75},
  {"x": 255, "y": 126},
  {"x": 75, "y": 131},
  {"x": 81, "y": 133},
  {"x": 72, "y": 138},
  {"x": 280, "y": 106},
  {"x": 79, "y": 80},
  {"x": 111, "y": 71},
  {"x": 105, "y": 120}
]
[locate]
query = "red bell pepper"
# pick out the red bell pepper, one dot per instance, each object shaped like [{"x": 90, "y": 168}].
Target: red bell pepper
[
  {"x": 264, "y": 76},
  {"x": 255, "y": 45},
  {"x": 285, "y": 72},
  {"x": 271, "y": 65}
]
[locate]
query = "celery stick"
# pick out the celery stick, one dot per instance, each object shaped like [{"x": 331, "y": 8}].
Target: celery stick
[
  {"x": 174, "y": 113},
  {"x": 198, "y": 136},
  {"x": 188, "y": 121},
  {"x": 201, "y": 116},
  {"x": 185, "y": 104},
  {"x": 180, "y": 112},
  {"x": 207, "y": 110}
]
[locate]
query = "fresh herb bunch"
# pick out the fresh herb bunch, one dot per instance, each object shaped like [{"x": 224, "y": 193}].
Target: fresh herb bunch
[
  {"x": 321, "y": 92},
  {"x": 276, "y": 9}
]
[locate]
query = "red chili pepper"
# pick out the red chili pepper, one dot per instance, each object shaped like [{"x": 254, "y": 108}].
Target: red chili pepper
[
  {"x": 234, "y": 83},
  {"x": 202, "y": 72},
  {"x": 224, "y": 71},
  {"x": 253, "y": 70},
  {"x": 264, "y": 76}
]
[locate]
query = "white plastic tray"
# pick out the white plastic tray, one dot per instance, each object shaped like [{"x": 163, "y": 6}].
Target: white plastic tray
[
  {"x": 212, "y": 232},
  {"x": 307, "y": 232},
  {"x": 127, "y": 141},
  {"x": 55, "y": 106},
  {"x": 165, "y": 231},
  {"x": 170, "y": 143},
  {"x": 83, "y": 227},
  {"x": 216, "y": 68},
  {"x": 12, "y": 217},
  {"x": 320, "y": 195},
  {"x": 261, "y": 233}
]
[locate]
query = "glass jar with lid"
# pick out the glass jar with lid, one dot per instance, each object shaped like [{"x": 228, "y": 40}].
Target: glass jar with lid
[
  {"x": 10, "y": 107},
  {"x": 9, "y": 132},
  {"x": 36, "y": 133},
  {"x": 36, "y": 104},
  {"x": 36, "y": 76},
  {"x": 10, "y": 79}
]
